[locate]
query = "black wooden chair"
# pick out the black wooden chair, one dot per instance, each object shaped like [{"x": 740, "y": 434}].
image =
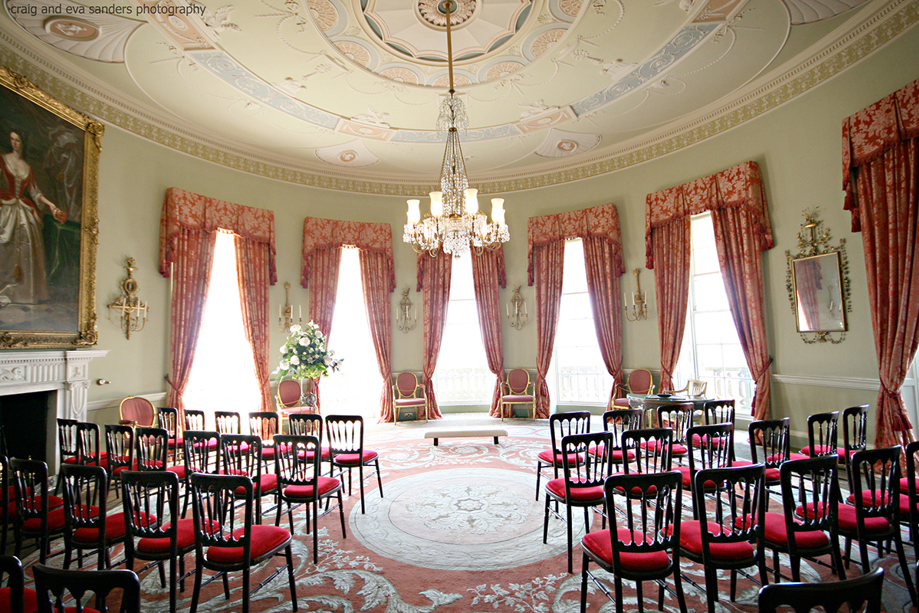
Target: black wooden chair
[{"x": 829, "y": 596}]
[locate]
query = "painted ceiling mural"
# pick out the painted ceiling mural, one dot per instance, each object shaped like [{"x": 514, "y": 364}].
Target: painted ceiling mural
[{"x": 340, "y": 84}]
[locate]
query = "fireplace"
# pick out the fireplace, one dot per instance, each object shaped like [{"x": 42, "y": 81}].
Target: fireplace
[{"x": 37, "y": 387}]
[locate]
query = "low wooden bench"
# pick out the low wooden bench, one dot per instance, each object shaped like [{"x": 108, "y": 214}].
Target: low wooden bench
[{"x": 464, "y": 432}]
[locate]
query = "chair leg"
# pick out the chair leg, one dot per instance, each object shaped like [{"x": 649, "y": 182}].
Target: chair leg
[
  {"x": 618, "y": 588},
  {"x": 584, "y": 562},
  {"x": 863, "y": 551},
  {"x": 379, "y": 478},
  {"x": 641, "y": 597},
  {"x": 569, "y": 531},
  {"x": 904, "y": 566},
  {"x": 315, "y": 506},
  {"x": 341, "y": 513},
  {"x": 360, "y": 475},
  {"x": 172, "y": 584},
  {"x": 545, "y": 522},
  {"x": 196, "y": 593},
  {"x": 290, "y": 576},
  {"x": 711, "y": 588},
  {"x": 245, "y": 590},
  {"x": 678, "y": 584}
]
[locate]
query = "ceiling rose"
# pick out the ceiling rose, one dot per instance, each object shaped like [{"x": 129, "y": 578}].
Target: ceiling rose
[{"x": 435, "y": 12}]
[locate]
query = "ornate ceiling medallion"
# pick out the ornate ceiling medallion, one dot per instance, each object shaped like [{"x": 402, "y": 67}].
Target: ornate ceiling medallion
[{"x": 435, "y": 13}]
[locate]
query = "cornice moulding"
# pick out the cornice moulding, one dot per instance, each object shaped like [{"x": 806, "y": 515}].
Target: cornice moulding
[{"x": 867, "y": 34}]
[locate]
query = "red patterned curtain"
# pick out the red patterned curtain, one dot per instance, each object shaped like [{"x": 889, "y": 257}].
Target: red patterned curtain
[
  {"x": 375, "y": 278},
  {"x": 188, "y": 227},
  {"x": 880, "y": 157},
  {"x": 742, "y": 231},
  {"x": 488, "y": 277},
  {"x": 322, "y": 238},
  {"x": 325, "y": 264},
  {"x": 252, "y": 272},
  {"x": 603, "y": 262},
  {"x": 599, "y": 228},
  {"x": 671, "y": 251},
  {"x": 434, "y": 274}
]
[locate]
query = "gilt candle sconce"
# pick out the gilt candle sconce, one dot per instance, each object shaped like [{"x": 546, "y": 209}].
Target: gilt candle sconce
[
  {"x": 516, "y": 310},
  {"x": 286, "y": 312},
  {"x": 407, "y": 318},
  {"x": 133, "y": 314},
  {"x": 639, "y": 309}
]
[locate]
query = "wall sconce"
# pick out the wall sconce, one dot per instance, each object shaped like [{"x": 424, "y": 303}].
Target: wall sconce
[
  {"x": 286, "y": 312},
  {"x": 407, "y": 317},
  {"x": 639, "y": 309},
  {"x": 517, "y": 310},
  {"x": 133, "y": 310}
]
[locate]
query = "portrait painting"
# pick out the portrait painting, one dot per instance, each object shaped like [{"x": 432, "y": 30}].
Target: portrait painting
[{"x": 49, "y": 166}]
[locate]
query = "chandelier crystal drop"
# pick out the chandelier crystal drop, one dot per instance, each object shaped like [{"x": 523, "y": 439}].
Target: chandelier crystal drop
[{"x": 454, "y": 224}]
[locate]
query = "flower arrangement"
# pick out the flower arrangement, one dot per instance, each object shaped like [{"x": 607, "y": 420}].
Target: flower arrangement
[{"x": 305, "y": 355}]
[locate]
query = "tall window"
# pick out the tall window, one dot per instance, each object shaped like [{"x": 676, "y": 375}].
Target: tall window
[
  {"x": 355, "y": 388},
  {"x": 580, "y": 375},
  {"x": 711, "y": 349},
  {"x": 462, "y": 375},
  {"x": 223, "y": 371}
]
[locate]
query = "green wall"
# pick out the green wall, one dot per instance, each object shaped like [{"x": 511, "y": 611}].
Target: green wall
[{"x": 797, "y": 146}]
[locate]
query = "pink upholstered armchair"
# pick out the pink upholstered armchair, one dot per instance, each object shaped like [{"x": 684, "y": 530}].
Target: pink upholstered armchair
[
  {"x": 518, "y": 389},
  {"x": 136, "y": 411},
  {"x": 408, "y": 393},
  {"x": 640, "y": 382}
]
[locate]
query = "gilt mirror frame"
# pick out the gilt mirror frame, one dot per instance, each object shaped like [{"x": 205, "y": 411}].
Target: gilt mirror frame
[
  {"x": 48, "y": 296},
  {"x": 818, "y": 284}
]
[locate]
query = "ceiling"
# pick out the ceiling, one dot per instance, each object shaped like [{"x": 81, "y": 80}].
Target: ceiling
[{"x": 350, "y": 89}]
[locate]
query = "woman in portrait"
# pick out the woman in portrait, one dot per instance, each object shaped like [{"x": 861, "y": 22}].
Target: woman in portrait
[{"x": 22, "y": 253}]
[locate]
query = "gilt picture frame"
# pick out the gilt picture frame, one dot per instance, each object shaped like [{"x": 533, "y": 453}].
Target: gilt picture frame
[
  {"x": 818, "y": 293},
  {"x": 49, "y": 225}
]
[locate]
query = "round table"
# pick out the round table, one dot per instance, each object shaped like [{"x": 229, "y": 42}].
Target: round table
[{"x": 649, "y": 403}]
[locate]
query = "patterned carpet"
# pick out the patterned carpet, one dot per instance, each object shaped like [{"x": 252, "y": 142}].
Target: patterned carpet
[{"x": 459, "y": 530}]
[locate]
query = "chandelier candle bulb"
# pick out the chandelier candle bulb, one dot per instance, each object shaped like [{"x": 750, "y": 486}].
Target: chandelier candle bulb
[
  {"x": 414, "y": 211},
  {"x": 472, "y": 200},
  {"x": 437, "y": 204},
  {"x": 497, "y": 210}
]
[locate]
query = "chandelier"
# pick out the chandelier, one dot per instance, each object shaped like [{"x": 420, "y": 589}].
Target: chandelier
[{"x": 454, "y": 223}]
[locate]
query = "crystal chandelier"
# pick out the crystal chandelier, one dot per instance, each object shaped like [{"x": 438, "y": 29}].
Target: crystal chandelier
[{"x": 455, "y": 223}]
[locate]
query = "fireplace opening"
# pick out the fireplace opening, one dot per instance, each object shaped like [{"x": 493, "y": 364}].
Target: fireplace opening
[{"x": 24, "y": 425}]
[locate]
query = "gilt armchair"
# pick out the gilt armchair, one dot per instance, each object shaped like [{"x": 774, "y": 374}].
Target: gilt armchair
[{"x": 408, "y": 394}]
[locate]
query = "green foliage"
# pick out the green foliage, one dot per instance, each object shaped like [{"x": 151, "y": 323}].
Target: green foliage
[{"x": 305, "y": 355}]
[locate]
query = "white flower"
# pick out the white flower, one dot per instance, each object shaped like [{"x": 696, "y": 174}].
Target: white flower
[
  {"x": 283, "y": 348},
  {"x": 295, "y": 328},
  {"x": 294, "y": 360},
  {"x": 284, "y": 365},
  {"x": 304, "y": 342}
]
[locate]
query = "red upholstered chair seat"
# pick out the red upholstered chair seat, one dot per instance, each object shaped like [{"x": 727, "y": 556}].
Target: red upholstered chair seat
[
  {"x": 687, "y": 478},
  {"x": 55, "y": 521},
  {"x": 616, "y": 454},
  {"x": 691, "y": 540},
  {"x": 355, "y": 459},
  {"x": 114, "y": 529},
  {"x": 305, "y": 492},
  {"x": 410, "y": 402},
  {"x": 517, "y": 398},
  {"x": 776, "y": 532},
  {"x": 178, "y": 469},
  {"x": 185, "y": 538},
  {"x": 264, "y": 540},
  {"x": 846, "y": 518},
  {"x": 29, "y": 601},
  {"x": 698, "y": 441},
  {"x": 824, "y": 450},
  {"x": 904, "y": 484},
  {"x": 548, "y": 456},
  {"x": 676, "y": 449},
  {"x": 599, "y": 544},
  {"x": 581, "y": 494},
  {"x": 791, "y": 456},
  {"x": 870, "y": 499}
]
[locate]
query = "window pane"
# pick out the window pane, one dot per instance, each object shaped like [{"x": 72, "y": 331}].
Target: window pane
[
  {"x": 462, "y": 375},
  {"x": 580, "y": 375},
  {"x": 223, "y": 353},
  {"x": 355, "y": 389},
  {"x": 711, "y": 350}
]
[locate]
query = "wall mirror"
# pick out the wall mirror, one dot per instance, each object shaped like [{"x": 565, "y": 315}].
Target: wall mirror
[{"x": 818, "y": 284}]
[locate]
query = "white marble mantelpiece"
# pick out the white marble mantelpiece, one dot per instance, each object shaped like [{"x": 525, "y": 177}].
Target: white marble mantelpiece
[{"x": 65, "y": 372}]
